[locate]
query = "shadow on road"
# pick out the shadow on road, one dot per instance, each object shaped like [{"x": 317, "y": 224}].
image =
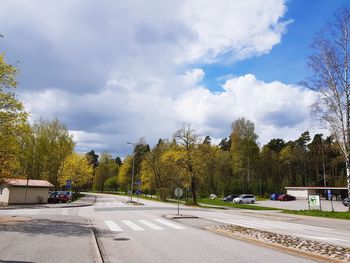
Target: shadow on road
[{"x": 48, "y": 227}]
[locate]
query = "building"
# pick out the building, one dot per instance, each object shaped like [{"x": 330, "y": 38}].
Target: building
[
  {"x": 22, "y": 191},
  {"x": 303, "y": 192}
]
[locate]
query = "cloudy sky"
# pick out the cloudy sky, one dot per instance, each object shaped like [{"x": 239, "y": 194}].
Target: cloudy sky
[{"x": 116, "y": 71}]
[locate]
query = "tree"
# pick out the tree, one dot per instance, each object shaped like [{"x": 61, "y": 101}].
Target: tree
[
  {"x": 107, "y": 168},
  {"x": 92, "y": 158},
  {"x": 13, "y": 121},
  {"x": 52, "y": 144},
  {"x": 76, "y": 168},
  {"x": 245, "y": 152},
  {"x": 187, "y": 138},
  {"x": 330, "y": 79}
]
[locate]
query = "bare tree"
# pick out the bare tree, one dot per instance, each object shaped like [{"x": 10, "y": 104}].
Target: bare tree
[
  {"x": 188, "y": 138},
  {"x": 330, "y": 66}
]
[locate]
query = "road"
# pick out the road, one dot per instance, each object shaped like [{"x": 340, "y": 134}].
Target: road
[{"x": 141, "y": 233}]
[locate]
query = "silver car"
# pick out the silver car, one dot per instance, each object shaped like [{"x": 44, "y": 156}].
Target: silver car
[{"x": 244, "y": 199}]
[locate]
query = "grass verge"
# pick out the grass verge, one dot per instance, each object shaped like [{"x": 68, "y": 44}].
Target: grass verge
[
  {"x": 208, "y": 201},
  {"x": 318, "y": 213}
]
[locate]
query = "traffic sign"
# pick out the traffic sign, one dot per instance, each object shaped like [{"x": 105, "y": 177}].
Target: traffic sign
[
  {"x": 138, "y": 181},
  {"x": 68, "y": 184},
  {"x": 178, "y": 192}
]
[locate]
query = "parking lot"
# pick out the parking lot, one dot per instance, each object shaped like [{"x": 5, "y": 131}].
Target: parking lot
[{"x": 302, "y": 204}]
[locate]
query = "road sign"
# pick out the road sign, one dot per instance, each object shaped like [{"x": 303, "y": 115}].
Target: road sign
[
  {"x": 314, "y": 202},
  {"x": 329, "y": 194},
  {"x": 178, "y": 192},
  {"x": 138, "y": 181},
  {"x": 68, "y": 184},
  {"x": 138, "y": 192}
]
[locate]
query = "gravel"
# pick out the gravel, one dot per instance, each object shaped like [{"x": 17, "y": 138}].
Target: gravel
[{"x": 313, "y": 248}]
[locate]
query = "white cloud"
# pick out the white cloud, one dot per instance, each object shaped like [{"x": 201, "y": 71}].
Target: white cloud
[{"x": 120, "y": 70}]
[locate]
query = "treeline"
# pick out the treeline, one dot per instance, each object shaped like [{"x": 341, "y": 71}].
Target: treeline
[{"x": 236, "y": 165}]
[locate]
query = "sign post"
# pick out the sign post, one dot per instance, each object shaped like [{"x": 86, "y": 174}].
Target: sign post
[
  {"x": 178, "y": 193},
  {"x": 330, "y": 197}
]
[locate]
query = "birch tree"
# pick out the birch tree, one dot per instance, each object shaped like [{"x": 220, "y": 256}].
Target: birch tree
[{"x": 329, "y": 64}]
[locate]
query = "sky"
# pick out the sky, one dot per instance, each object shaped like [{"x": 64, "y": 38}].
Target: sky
[{"x": 117, "y": 71}]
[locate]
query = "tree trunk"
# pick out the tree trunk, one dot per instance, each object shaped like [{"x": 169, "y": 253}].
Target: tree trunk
[
  {"x": 348, "y": 176},
  {"x": 193, "y": 186}
]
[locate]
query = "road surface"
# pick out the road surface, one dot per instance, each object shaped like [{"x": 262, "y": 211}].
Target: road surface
[{"x": 142, "y": 233}]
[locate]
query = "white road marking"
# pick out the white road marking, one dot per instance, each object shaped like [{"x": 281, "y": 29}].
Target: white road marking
[
  {"x": 65, "y": 211},
  {"x": 132, "y": 225},
  {"x": 169, "y": 224},
  {"x": 271, "y": 224},
  {"x": 151, "y": 225},
  {"x": 239, "y": 223},
  {"x": 113, "y": 226}
]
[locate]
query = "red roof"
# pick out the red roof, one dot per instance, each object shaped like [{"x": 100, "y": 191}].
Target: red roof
[{"x": 31, "y": 183}]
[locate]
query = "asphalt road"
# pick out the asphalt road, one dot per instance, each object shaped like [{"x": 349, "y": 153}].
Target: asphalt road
[{"x": 142, "y": 233}]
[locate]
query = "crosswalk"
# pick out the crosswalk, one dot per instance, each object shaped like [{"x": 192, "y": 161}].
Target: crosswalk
[
  {"x": 110, "y": 204},
  {"x": 267, "y": 224},
  {"x": 157, "y": 224}
]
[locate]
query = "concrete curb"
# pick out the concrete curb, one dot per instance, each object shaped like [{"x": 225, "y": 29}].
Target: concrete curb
[{"x": 180, "y": 216}]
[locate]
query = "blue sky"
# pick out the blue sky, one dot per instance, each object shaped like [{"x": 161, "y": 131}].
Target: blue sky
[
  {"x": 286, "y": 62},
  {"x": 118, "y": 71}
]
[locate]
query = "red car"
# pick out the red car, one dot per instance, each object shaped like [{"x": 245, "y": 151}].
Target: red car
[{"x": 286, "y": 197}]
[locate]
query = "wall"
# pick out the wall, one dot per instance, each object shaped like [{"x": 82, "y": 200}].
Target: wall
[
  {"x": 17, "y": 195},
  {"x": 300, "y": 194},
  {"x": 4, "y": 197}
]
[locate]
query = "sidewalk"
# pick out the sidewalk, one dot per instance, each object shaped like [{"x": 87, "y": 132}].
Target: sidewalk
[{"x": 86, "y": 200}]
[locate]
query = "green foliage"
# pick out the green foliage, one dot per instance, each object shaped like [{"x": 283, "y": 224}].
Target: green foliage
[
  {"x": 111, "y": 184},
  {"x": 107, "y": 168},
  {"x": 13, "y": 122},
  {"x": 318, "y": 213},
  {"x": 76, "y": 168}
]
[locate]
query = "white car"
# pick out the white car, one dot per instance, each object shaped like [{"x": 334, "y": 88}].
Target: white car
[{"x": 244, "y": 199}]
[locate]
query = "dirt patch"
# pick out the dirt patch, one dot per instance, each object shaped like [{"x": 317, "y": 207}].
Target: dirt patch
[{"x": 14, "y": 219}]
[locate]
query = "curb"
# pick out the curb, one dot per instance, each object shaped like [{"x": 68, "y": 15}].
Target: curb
[{"x": 292, "y": 251}]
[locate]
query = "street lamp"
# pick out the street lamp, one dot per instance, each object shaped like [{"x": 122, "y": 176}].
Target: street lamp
[{"x": 132, "y": 173}]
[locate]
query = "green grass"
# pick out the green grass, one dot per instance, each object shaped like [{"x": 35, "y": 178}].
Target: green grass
[
  {"x": 318, "y": 213},
  {"x": 208, "y": 201}
]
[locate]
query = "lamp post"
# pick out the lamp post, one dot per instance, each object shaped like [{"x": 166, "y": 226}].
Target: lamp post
[{"x": 132, "y": 173}]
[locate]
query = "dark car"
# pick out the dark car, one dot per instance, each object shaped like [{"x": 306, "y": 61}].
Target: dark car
[
  {"x": 346, "y": 201},
  {"x": 275, "y": 196},
  {"x": 286, "y": 197},
  {"x": 58, "y": 197},
  {"x": 229, "y": 198}
]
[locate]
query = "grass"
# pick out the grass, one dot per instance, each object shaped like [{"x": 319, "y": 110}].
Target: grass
[
  {"x": 208, "y": 201},
  {"x": 318, "y": 213}
]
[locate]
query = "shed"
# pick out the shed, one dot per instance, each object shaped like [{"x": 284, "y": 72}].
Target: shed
[
  {"x": 302, "y": 192},
  {"x": 23, "y": 191}
]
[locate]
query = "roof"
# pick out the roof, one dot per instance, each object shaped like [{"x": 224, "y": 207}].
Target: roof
[
  {"x": 31, "y": 183},
  {"x": 316, "y": 188}
]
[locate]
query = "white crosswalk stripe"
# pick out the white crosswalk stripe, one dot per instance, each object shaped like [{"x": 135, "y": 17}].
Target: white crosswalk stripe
[
  {"x": 129, "y": 224},
  {"x": 132, "y": 225},
  {"x": 118, "y": 204},
  {"x": 270, "y": 224},
  {"x": 169, "y": 224},
  {"x": 151, "y": 225},
  {"x": 113, "y": 226}
]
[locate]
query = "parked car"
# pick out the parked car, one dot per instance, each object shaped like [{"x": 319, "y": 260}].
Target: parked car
[
  {"x": 286, "y": 197},
  {"x": 244, "y": 199},
  {"x": 229, "y": 198},
  {"x": 275, "y": 196},
  {"x": 346, "y": 201},
  {"x": 58, "y": 197}
]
